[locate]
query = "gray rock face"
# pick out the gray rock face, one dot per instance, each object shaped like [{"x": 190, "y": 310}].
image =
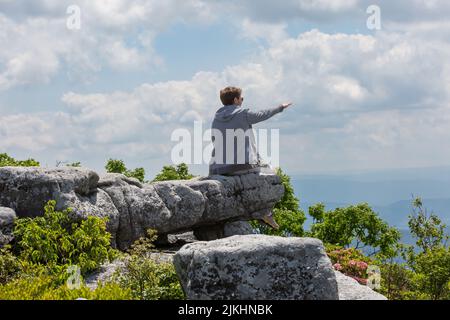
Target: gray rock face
[
  {"x": 27, "y": 190},
  {"x": 7, "y": 217},
  {"x": 133, "y": 207},
  {"x": 350, "y": 289},
  {"x": 223, "y": 230},
  {"x": 256, "y": 267},
  {"x": 237, "y": 228}
]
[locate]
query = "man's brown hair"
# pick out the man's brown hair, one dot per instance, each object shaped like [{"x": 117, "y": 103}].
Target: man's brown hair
[{"x": 228, "y": 94}]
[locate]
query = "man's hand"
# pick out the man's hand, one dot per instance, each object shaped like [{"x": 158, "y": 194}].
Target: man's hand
[{"x": 285, "y": 105}]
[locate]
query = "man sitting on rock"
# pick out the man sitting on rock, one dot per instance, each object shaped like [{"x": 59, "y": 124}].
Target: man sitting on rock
[{"x": 243, "y": 158}]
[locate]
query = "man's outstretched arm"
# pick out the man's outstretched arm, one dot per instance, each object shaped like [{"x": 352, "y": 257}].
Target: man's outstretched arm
[{"x": 258, "y": 116}]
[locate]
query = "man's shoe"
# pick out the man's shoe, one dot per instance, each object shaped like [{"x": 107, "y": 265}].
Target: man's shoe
[{"x": 268, "y": 220}]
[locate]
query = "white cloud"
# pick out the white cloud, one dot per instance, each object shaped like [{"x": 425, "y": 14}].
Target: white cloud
[
  {"x": 359, "y": 101},
  {"x": 326, "y": 11},
  {"x": 118, "y": 34},
  {"x": 273, "y": 33}
]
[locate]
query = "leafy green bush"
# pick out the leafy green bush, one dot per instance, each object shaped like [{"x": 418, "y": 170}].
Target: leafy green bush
[
  {"x": 286, "y": 213},
  {"x": 430, "y": 258},
  {"x": 180, "y": 172},
  {"x": 396, "y": 281},
  {"x": 6, "y": 160},
  {"x": 148, "y": 279},
  {"x": 432, "y": 273},
  {"x": 57, "y": 240},
  {"x": 351, "y": 262},
  {"x": 118, "y": 166},
  {"x": 46, "y": 287},
  {"x": 359, "y": 223},
  {"x": 9, "y": 265},
  {"x": 74, "y": 164}
]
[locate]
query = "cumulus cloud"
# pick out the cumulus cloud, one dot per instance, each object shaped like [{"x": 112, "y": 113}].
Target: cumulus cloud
[
  {"x": 119, "y": 35},
  {"x": 327, "y": 11},
  {"x": 360, "y": 100}
]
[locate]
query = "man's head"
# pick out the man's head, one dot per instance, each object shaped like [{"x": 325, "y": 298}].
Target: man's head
[{"x": 231, "y": 95}]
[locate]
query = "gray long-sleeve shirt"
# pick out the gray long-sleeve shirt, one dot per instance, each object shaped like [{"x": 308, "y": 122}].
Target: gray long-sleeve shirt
[{"x": 243, "y": 154}]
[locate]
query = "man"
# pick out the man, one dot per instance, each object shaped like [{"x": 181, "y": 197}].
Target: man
[{"x": 241, "y": 156}]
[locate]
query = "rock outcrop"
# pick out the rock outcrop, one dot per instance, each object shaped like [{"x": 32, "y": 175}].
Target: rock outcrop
[
  {"x": 199, "y": 204},
  {"x": 7, "y": 217},
  {"x": 256, "y": 267}
]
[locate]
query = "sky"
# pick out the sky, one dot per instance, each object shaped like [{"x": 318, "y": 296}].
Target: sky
[{"x": 134, "y": 71}]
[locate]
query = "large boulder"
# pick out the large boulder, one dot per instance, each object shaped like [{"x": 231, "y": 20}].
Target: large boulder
[
  {"x": 256, "y": 267},
  {"x": 199, "y": 204},
  {"x": 27, "y": 190},
  {"x": 7, "y": 218}
]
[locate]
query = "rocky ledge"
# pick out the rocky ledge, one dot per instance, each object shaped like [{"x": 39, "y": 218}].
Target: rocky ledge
[{"x": 205, "y": 205}]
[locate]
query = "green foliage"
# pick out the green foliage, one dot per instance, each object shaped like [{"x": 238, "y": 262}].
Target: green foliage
[
  {"x": 118, "y": 166},
  {"x": 180, "y": 172},
  {"x": 57, "y": 240},
  {"x": 144, "y": 244},
  {"x": 428, "y": 229},
  {"x": 148, "y": 279},
  {"x": 432, "y": 273},
  {"x": 115, "y": 166},
  {"x": 396, "y": 281},
  {"x": 426, "y": 273},
  {"x": 9, "y": 265},
  {"x": 359, "y": 223},
  {"x": 45, "y": 287},
  {"x": 286, "y": 213},
  {"x": 74, "y": 164},
  {"x": 7, "y": 161},
  {"x": 352, "y": 262},
  {"x": 430, "y": 259},
  {"x": 138, "y": 173}
]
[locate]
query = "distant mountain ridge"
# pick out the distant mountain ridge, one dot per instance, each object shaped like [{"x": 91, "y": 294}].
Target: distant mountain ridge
[{"x": 389, "y": 192}]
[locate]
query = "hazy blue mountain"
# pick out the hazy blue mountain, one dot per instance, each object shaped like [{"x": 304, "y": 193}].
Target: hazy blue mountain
[
  {"x": 388, "y": 192},
  {"x": 385, "y": 192},
  {"x": 396, "y": 214}
]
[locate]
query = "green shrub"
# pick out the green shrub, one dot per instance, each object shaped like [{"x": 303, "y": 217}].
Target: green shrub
[
  {"x": 396, "y": 281},
  {"x": 74, "y": 164},
  {"x": 286, "y": 213},
  {"x": 9, "y": 265},
  {"x": 118, "y": 166},
  {"x": 57, "y": 240},
  {"x": 432, "y": 273},
  {"x": 180, "y": 172},
  {"x": 351, "y": 262},
  {"x": 45, "y": 287},
  {"x": 148, "y": 279},
  {"x": 6, "y": 160},
  {"x": 356, "y": 223},
  {"x": 430, "y": 259}
]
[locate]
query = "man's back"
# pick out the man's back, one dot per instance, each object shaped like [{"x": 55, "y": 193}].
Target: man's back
[{"x": 238, "y": 122}]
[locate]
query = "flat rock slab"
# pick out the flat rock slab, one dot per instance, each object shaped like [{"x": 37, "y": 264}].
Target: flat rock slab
[
  {"x": 350, "y": 289},
  {"x": 256, "y": 267}
]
